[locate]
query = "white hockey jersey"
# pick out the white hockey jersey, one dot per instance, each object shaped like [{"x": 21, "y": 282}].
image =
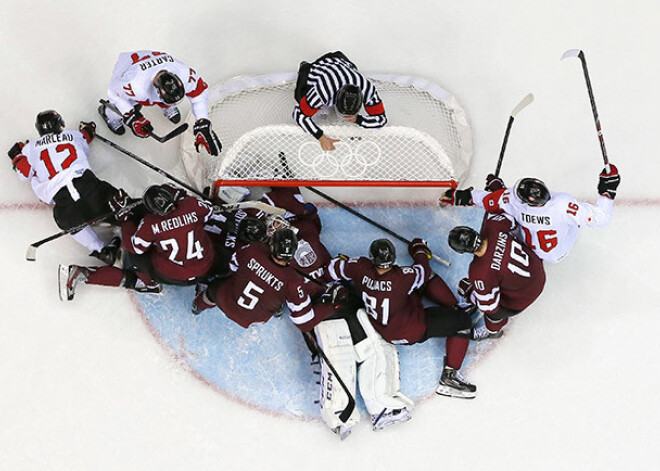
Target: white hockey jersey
[
  {"x": 133, "y": 76},
  {"x": 550, "y": 230},
  {"x": 53, "y": 161}
]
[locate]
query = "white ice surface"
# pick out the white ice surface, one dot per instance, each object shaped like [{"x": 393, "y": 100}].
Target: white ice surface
[{"x": 574, "y": 383}]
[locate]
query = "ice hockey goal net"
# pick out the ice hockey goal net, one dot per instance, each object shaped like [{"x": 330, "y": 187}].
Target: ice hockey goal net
[{"x": 426, "y": 143}]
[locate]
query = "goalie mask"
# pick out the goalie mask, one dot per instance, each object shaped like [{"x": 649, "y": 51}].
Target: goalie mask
[
  {"x": 383, "y": 253},
  {"x": 170, "y": 88},
  {"x": 283, "y": 245},
  {"x": 158, "y": 200},
  {"x": 48, "y": 122},
  {"x": 463, "y": 239},
  {"x": 348, "y": 100},
  {"x": 532, "y": 192},
  {"x": 275, "y": 223}
]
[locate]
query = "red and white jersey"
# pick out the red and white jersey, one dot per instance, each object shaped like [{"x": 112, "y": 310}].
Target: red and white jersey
[
  {"x": 395, "y": 309},
  {"x": 133, "y": 76},
  {"x": 258, "y": 288},
  {"x": 52, "y": 162},
  {"x": 550, "y": 230},
  {"x": 178, "y": 246},
  {"x": 509, "y": 274}
]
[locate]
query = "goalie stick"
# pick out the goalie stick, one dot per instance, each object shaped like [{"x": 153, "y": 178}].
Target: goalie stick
[
  {"x": 289, "y": 174},
  {"x": 580, "y": 55},
  {"x": 346, "y": 413},
  {"x": 31, "y": 253}
]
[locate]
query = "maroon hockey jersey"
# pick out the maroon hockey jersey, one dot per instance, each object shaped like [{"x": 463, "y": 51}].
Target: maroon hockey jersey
[
  {"x": 391, "y": 300},
  {"x": 258, "y": 288},
  {"x": 177, "y": 245},
  {"x": 509, "y": 274}
]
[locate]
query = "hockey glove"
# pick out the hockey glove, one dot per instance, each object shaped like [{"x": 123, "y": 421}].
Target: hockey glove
[
  {"x": 455, "y": 197},
  {"x": 206, "y": 137},
  {"x": 419, "y": 246},
  {"x": 88, "y": 130},
  {"x": 140, "y": 125},
  {"x": 465, "y": 288},
  {"x": 609, "y": 182},
  {"x": 494, "y": 183},
  {"x": 118, "y": 204},
  {"x": 15, "y": 151}
]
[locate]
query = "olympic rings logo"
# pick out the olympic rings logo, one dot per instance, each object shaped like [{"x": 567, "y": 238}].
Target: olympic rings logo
[{"x": 345, "y": 160}]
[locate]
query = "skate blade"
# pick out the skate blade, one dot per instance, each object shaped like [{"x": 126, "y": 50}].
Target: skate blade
[
  {"x": 451, "y": 392},
  {"x": 62, "y": 279}
]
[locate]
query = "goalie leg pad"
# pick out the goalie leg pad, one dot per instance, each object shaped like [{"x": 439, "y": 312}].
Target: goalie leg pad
[
  {"x": 335, "y": 339},
  {"x": 378, "y": 374}
]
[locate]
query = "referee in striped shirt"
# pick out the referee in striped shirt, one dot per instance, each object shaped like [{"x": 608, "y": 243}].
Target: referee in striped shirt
[{"x": 334, "y": 80}]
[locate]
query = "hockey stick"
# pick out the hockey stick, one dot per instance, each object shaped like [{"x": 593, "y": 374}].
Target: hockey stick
[
  {"x": 346, "y": 413},
  {"x": 266, "y": 208},
  {"x": 370, "y": 221},
  {"x": 175, "y": 132},
  {"x": 31, "y": 254},
  {"x": 580, "y": 54},
  {"x": 529, "y": 98}
]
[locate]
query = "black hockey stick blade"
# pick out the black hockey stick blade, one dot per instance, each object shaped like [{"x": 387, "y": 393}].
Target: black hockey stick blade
[
  {"x": 175, "y": 132},
  {"x": 350, "y": 407}
]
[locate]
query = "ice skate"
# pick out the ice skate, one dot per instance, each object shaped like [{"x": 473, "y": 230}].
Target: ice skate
[
  {"x": 173, "y": 114},
  {"x": 115, "y": 124},
  {"x": 482, "y": 333},
  {"x": 68, "y": 278},
  {"x": 453, "y": 384},
  {"x": 342, "y": 431},
  {"x": 109, "y": 253},
  {"x": 390, "y": 417}
]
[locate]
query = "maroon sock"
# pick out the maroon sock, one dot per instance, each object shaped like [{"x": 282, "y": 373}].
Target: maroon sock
[
  {"x": 456, "y": 350},
  {"x": 105, "y": 276}
]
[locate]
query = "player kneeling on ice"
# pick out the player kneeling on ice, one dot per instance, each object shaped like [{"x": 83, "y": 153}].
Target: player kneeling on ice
[
  {"x": 392, "y": 296},
  {"x": 168, "y": 245},
  {"x": 360, "y": 357},
  {"x": 147, "y": 78},
  {"x": 57, "y": 168},
  {"x": 549, "y": 221},
  {"x": 505, "y": 276}
]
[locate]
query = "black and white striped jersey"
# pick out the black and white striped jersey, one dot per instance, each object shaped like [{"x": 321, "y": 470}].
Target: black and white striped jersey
[{"x": 326, "y": 76}]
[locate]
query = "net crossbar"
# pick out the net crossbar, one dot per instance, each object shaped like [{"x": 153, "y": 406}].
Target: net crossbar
[{"x": 426, "y": 143}]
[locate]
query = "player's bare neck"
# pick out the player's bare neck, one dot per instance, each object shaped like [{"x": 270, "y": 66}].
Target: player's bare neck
[
  {"x": 382, "y": 271},
  {"x": 481, "y": 251},
  {"x": 282, "y": 263}
]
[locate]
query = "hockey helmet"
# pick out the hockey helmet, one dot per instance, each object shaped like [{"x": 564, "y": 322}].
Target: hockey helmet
[
  {"x": 251, "y": 230},
  {"x": 158, "y": 200},
  {"x": 169, "y": 86},
  {"x": 532, "y": 191},
  {"x": 283, "y": 245},
  {"x": 49, "y": 121},
  {"x": 383, "y": 253},
  {"x": 348, "y": 100},
  {"x": 463, "y": 239}
]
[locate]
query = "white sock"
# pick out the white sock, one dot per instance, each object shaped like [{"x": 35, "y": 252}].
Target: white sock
[{"x": 89, "y": 239}]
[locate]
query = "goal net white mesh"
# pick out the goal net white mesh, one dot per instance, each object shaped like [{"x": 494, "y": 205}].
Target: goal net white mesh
[{"x": 426, "y": 143}]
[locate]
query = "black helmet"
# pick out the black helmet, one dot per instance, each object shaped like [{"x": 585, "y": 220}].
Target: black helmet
[
  {"x": 464, "y": 239},
  {"x": 158, "y": 200},
  {"x": 251, "y": 230},
  {"x": 283, "y": 244},
  {"x": 383, "y": 253},
  {"x": 170, "y": 88},
  {"x": 49, "y": 121},
  {"x": 348, "y": 100},
  {"x": 532, "y": 192}
]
